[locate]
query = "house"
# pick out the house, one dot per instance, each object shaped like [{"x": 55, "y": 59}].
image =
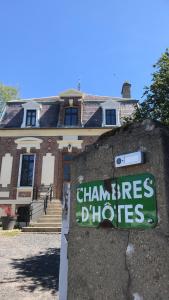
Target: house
[{"x": 40, "y": 136}]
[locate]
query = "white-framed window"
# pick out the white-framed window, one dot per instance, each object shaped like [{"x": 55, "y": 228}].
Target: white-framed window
[
  {"x": 31, "y": 117},
  {"x": 26, "y": 170},
  {"x": 110, "y": 113},
  {"x": 31, "y": 114},
  {"x": 110, "y": 117}
]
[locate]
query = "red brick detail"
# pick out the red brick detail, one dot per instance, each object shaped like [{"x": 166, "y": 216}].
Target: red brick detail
[{"x": 24, "y": 194}]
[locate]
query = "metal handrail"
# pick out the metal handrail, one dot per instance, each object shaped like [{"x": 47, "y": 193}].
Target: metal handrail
[
  {"x": 45, "y": 200},
  {"x": 48, "y": 197}
]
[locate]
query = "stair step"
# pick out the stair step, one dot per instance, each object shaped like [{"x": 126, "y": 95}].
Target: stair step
[
  {"x": 56, "y": 224},
  {"x": 48, "y": 219},
  {"x": 55, "y": 204},
  {"x": 55, "y": 208},
  {"x": 51, "y": 222},
  {"x": 41, "y": 229},
  {"x": 58, "y": 207},
  {"x": 54, "y": 212},
  {"x": 51, "y": 215}
]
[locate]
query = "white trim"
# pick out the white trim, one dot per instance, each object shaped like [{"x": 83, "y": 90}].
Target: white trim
[
  {"x": 117, "y": 118},
  {"x": 28, "y": 143},
  {"x": 4, "y": 194},
  {"x": 31, "y": 105},
  {"x": 69, "y": 144},
  {"x": 22, "y": 198},
  {"x": 63, "y": 274},
  {"x": 16, "y": 201},
  {"x": 48, "y": 169},
  {"x": 33, "y": 99},
  {"x": 6, "y": 169},
  {"x": 110, "y": 105},
  {"x": 20, "y": 167}
]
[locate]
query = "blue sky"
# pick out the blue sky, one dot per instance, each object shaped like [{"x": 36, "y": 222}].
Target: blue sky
[{"x": 47, "y": 45}]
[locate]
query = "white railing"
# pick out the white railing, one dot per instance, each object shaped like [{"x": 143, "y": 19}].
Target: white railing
[{"x": 63, "y": 274}]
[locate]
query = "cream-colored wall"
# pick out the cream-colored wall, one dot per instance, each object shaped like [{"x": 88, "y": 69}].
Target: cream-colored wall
[
  {"x": 39, "y": 132},
  {"x": 48, "y": 164},
  {"x": 6, "y": 170},
  {"x": 4, "y": 194}
]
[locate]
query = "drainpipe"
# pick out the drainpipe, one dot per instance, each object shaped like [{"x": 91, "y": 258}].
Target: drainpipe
[{"x": 63, "y": 273}]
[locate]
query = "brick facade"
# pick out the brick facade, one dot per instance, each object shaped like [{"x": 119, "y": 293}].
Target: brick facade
[{"x": 50, "y": 139}]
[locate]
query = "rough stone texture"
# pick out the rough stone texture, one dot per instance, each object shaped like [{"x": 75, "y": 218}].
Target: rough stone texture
[
  {"x": 100, "y": 265},
  {"x": 29, "y": 267}
]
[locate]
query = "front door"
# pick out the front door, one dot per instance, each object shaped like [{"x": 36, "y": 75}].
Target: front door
[{"x": 67, "y": 159}]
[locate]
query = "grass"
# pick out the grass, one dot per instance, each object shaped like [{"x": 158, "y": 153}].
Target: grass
[{"x": 10, "y": 233}]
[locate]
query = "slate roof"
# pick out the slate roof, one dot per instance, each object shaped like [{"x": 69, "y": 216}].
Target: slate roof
[{"x": 49, "y": 115}]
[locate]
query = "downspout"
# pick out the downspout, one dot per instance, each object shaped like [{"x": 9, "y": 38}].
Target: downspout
[{"x": 82, "y": 109}]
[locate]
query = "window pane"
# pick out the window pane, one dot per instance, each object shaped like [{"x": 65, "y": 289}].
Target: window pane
[
  {"x": 27, "y": 170},
  {"x": 110, "y": 117},
  {"x": 66, "y": 172},
  {"x": 71, "y": 116},
  {"x": 67, "y": 157},
  {"x": 31, "y": 117}
]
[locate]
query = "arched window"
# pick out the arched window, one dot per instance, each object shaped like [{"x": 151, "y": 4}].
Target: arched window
[{"x": 71, "y": 116}]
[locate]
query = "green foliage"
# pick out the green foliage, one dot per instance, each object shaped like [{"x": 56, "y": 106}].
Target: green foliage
[
  {"x": 156, "y": 97},
  {"x": 8, "y": 93}
]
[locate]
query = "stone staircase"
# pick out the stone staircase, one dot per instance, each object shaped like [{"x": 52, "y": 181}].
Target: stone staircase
[{"x": 51, "y": 222}]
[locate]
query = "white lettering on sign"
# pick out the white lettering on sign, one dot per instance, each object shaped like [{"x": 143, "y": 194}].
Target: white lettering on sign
[
  {"x": 128, "y": 213},
  {"x": 137, "y": 190},
  {"x": 87, "y": 194},
  {"x": 126, "y": 190},
  {"x": 139, "y": 213},
  {"x": 148, "y": 188},
  {"x": 95, "y": 194},
  {"x": 110, "y": 211},
  {"x": 96, "y": 214},
  {"x": 127, "y": 202},
  {"x": 85, "y": 214},
  {"x": 107, "y": 212},
  {"x": 104, "y": 195}
]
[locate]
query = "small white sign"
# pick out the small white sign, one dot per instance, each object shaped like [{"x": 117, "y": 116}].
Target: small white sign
[{"x": 129, "y": 159}]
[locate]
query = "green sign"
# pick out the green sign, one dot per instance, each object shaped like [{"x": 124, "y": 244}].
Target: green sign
[{"x": 126, "y": 202}]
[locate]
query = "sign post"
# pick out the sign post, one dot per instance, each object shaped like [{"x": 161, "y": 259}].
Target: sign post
[{"x": 126, "y": 202}]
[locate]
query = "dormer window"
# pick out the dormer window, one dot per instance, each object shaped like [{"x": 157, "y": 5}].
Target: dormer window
[
  {"x": 71, "y": 116},
  {"x": 31, "y": 114},
  {"x": 31, "y": 117},
  {"x": 110, "y": 113},
  {"x": 110, "y": 116}
]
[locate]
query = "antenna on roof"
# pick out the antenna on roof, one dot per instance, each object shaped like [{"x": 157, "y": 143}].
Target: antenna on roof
[{"x": 78, "y": 85}]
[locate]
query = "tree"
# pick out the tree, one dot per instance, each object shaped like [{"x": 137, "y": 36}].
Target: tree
[
  {"x": 8, "y": 93},
  {"x": 156, "y": 103}
]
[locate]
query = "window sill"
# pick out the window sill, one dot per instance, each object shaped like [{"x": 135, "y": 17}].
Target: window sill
[
  {"x": 25, "y": 187},
  {"x": 105, "y": 125}
]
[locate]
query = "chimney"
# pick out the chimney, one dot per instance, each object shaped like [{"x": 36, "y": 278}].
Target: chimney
[{"x": 126, "y": 90}]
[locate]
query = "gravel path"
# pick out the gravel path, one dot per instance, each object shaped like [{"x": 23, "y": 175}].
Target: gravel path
[{"x": 29, "y": 267}]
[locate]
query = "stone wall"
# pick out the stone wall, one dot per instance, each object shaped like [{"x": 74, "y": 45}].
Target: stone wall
[{"x": 108, "y": 263}]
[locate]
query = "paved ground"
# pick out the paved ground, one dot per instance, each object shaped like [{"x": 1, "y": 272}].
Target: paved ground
[{"x": 29, "y": 267}]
